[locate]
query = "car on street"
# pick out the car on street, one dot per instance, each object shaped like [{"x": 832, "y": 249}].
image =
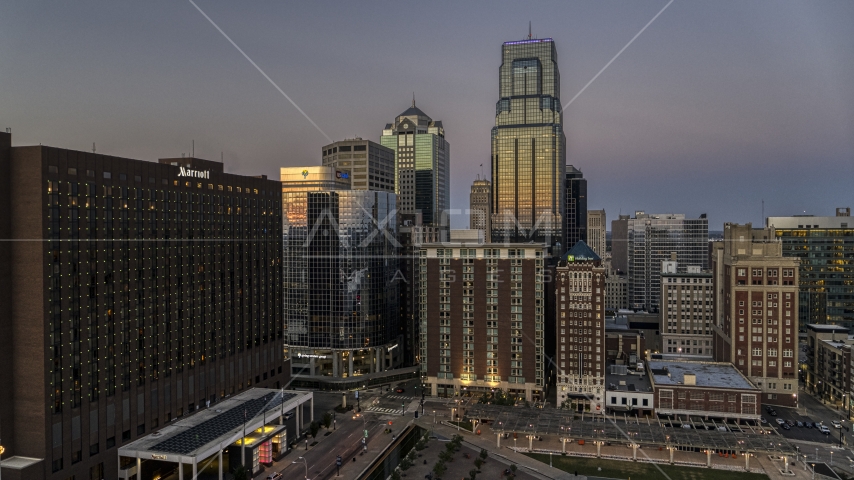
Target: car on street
[
  {"x": 836, "y": 423},
  {"x": 780, "y": 421},
  {"x": 800, "y": 424},
  {"x": 823, "y": 429},
  {"x": 762, "y": 420},
  {"x": 399, "y": 390},
  {"x": 773, "y": 413},
  {"x": 274, "y": 476},
  {"x": 816, "y": 424},
  {"x": 785, "y": 426},
  {"x": 686, "y": 425},
  {"x": 791, "y": 423},
  {"x": 808, "y": 424}
]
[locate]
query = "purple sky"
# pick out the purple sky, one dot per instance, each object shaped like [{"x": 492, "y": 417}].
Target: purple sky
[{"x": 715, "y": 107}]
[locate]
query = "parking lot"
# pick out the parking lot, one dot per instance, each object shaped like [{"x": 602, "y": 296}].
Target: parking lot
[{"x": 799, "y": 433}]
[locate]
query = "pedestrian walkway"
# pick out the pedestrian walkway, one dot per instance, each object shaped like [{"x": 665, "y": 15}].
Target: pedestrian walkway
[{"x": 389, "y": 411}]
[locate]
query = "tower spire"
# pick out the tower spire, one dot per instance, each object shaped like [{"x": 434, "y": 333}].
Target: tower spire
[{"x": 413, "y": 99}]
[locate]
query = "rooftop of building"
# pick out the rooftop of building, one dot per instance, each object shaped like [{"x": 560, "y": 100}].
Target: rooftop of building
[
  {"x": 529, "y": 40},
  {"x": 205, "y": 432},
  {"x": 708, "y": 374},
  {"x": 626, "y": 382},
  {"x": 822, "y": 328},
  {"x": 580, "y": 252}
]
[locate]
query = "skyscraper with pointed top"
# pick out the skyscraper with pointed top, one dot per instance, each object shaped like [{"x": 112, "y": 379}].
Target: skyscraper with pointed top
[
  {"x": 422, "y": 164},
  {"x": 529, "y": 147}
]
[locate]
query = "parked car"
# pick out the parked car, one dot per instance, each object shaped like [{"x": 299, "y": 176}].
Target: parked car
[
  {"x": 773, "y": 412},
  {"x": 808, "y": 424},
  {"x": 791, "y": 423},
  {"x": 816, "y": 424},
  {"x": 785, "y": 426},
  {"x": 274, "y": 476},
  {"x": 686, "y": 425},
  {"x": 823, "y": 429},
  {"x": 836, "y": 423},
  {"x": 722, "y": 428},
  {"x": 762, "y": 420},
  {"x": 780, "y": 421},
  {"x": 800, "y": 424}
]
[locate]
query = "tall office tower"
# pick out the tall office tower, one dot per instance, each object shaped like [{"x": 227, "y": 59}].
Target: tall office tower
[
  {"x": 620, "y": 244},
  {"x": 687, "y": 311},
  {"x": 529, "y": 147},
  {"x": 596, "y": 231},
  {"x": 576, "y": 206},
  {"x": 340, "y": 291},
  {"x": 480, "y": 216},
  {"x": 369, "y": 165},
  {"x": 137, "y": 292},
  {"x": 422, "y": 164},
  {"x": 825, "y": 246},
  {"x": 653, "y": 239},
  {"x": 580, "y": 329},
  {"x": 484, "y": 330},
  {"x": 759, "y": 333}
]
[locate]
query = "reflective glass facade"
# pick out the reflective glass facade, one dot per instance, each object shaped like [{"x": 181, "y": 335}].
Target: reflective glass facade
[
  {"x": 340, "y": 259},
  {"x": 652, "y": 239},
  {"x": 825, "y": 246},
  {"x": 528, "y": 146},
  {"x": 422, "y": 164}
]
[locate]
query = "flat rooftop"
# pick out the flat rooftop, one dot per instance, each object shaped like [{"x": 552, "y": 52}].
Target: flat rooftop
[
  {"x": 627, "y": 383},
  {"x": 205, "y": 432},
  {"x": 826, "y": 328},
  {"x": 709, "y": 374}
]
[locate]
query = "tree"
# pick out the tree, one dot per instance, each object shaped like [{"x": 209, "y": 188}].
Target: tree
[
  {"x": 472, "y": 474},
  {"x": 483, "y": 454},
  {"x": 395, "y": 475},
  {"x": 513, "y": 468},
  {"x": 327, "y": 420},
  {"x": 240, "y": 473},
  {"x": 313, "y": 428},
  {"x": 405, "y": 464},
  {"x": 445, "y": 456},
  {"x": 478, "y": 462},
  {"x": 440, "y": 468}
]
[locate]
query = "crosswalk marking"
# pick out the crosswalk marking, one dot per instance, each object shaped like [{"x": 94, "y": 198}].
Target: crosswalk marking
[
  {"x": 399, "y": 397},
  {"x": 384, "y": 410}
]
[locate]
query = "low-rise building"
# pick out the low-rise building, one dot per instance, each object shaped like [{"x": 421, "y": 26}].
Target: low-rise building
[
  {"x": 703, "y": 389},
  {"x": 628, "y": 390}
]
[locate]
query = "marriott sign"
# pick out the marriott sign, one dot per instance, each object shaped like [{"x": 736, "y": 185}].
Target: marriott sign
[{"x": 188, "y": 172}]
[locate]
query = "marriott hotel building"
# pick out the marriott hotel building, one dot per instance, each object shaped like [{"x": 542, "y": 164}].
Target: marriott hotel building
[{"x": 132, "y": 293}]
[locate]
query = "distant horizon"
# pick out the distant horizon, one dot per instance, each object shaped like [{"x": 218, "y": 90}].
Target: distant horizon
[{"x": 713, "y": 109}]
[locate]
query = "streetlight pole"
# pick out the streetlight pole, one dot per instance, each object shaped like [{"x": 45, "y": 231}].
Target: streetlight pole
[{"x": 304, "y": 464}]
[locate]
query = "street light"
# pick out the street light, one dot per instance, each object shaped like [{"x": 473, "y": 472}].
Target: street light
[{"x": 304, "y": 464}]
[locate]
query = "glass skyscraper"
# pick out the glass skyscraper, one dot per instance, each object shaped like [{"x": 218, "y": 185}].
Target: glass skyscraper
[
  {"x": 529, "y": 147},
  {"x": 422, "y": 164},
  {"x": 825, "y": 246},
  {"x": 340, "y": 292},
  {"x": 653, "y": 239}
]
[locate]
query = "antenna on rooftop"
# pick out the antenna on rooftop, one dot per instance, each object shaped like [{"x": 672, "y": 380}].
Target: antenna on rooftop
[
  {"x": 529, "y": 29},
  {"x": 413, "y": 99},
  {"x": 93, "y": 147}
]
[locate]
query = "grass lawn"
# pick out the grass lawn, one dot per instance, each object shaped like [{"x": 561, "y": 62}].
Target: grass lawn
[{"x": 640, "y": 471}]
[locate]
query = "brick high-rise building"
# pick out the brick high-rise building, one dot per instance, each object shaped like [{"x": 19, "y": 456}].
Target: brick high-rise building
[
  {"x": 580, "y": 329},
  {"x": 133, "y": 293},
  {"x": 758, "y": 315},
  {"x": 483, "y": 326}
]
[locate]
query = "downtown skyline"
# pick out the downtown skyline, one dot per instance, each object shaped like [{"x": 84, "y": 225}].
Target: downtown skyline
[{"x": 714, "y": 108}]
